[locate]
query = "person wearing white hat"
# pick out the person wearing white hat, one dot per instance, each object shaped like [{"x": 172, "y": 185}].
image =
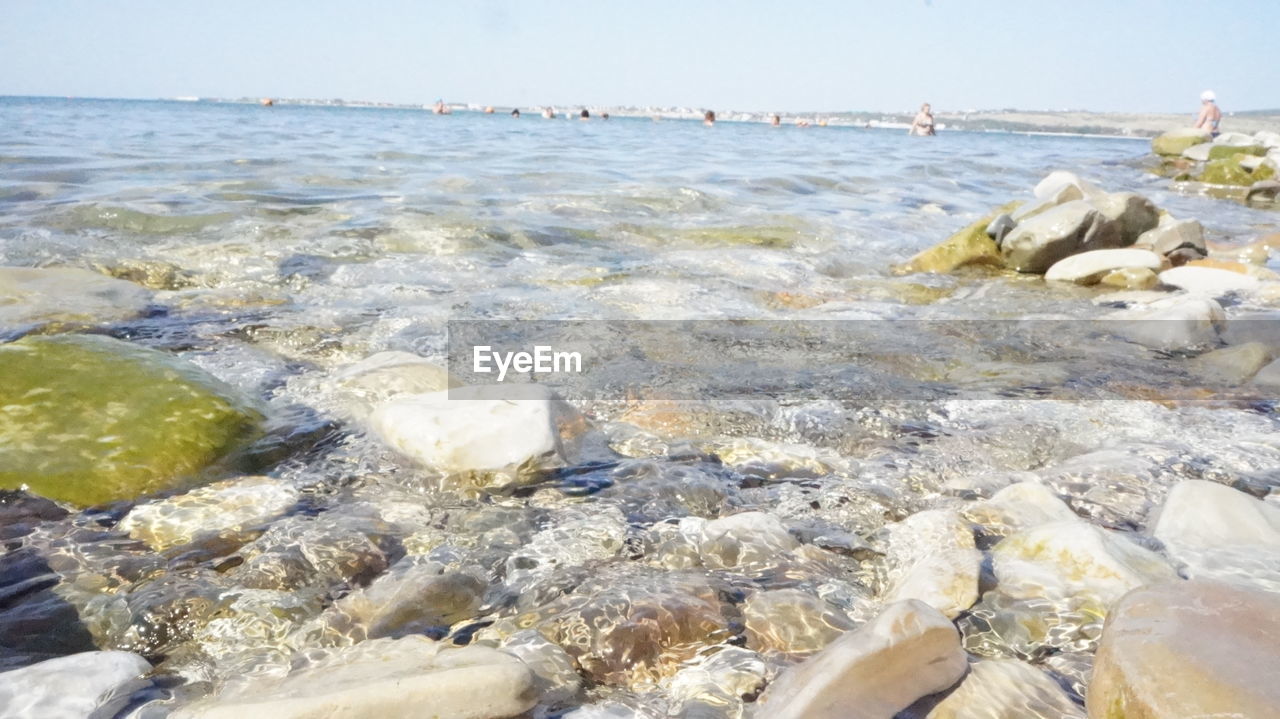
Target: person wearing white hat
[{"x": 1210, "y": 116}]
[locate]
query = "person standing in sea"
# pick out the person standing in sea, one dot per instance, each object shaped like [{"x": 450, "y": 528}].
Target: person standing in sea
[
  {"x": 923, "y": 124},
  {"x": 1210, "y": 115},
  {"x": 709, "y": 118}
]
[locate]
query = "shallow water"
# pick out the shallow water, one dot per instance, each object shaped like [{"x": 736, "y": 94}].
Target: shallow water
[{"x": 286, "y": 242}]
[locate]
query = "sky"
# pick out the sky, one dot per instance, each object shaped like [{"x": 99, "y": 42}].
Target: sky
[{"x": 821, "y": 55}]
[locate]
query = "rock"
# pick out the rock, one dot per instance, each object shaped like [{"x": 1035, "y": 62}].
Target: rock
[
  {"x": 1198, "y": 153},
  {"x": 740, "y": 540},
  {"x": 1001, "y": 226},
  {"x": 1132, "y": 213},
  {"x": 1251, "y": 163},
  {"x": 627, "y": 625},
  {"x": 69, "y": 687},
  {"x": 970, "y": 246},
  {"x": 1263, "y": 190},
  {"x": 1172, "y": 235},
  {"x": 1056, "y": 195},
  {"x": 90, "y": 419},
  {"x": 1175, "y": 141},
  {"x": 1072, "y": 558},
  {"x": 1268, "y": 139},
  {"x": 1268, "y": 378},
  {"x": 66, "y": 296},
  {"x": 792, "y": 622},
  {"x": 152, "y": 274},
  {"x": 999, "y": 689},
  {"x": 408, "y": 599},
  {"x": 1233, "y": 365},
  {"x": 482, "y": 429},
  {"x": 1189, "y": 649},
  {"x": 1087, "y": 268},
  {"x": 1020, "y": 506},
  {"x": 932, "y": 558},
  {"x": 1229, "y": 171},
  {"x": 907, "y": 652},
  {"x": 1178, "y": 258},
  {"x": 1233, "y": 139},
  {"x": 1221, "y": 533},
  {"x": 1100, "y": 222},
  {"x": 1222, "y": 152},
  {"x": 1130, "y": 278},
  {"x": 1035, "y": 244},
  {"x": 386, "y": 375},
  {"x": 555, "y": 676},
  {"x": 715, "y": 685},
  {"x": 1208, "y": 281},
  {"x": 227, "y": 507},
  {"x": 1053, "y": 183},
  {"x": 1178, "y": 322},
  {"x": 385, "y": 678}
]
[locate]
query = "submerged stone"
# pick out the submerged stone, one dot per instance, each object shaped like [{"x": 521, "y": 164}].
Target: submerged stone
[
  {"x": 66, "y": 296},
  {"x": 932, "y": 558},
  {"x": 907, "y": 652},
  {"x": 384, "y": 678},
  {"x": 1217, "y": 532},
  {"x": 1189, "y": 649},
  {"x": 1233, "y": 365},
  {"x": 792, "y": 622},
  {"x": 89, "y": 419},
  {"x": 226, "y": 507}
]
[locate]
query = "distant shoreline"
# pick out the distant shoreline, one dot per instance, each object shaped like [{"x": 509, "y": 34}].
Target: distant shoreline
[{"x": 1110, "y": 125}]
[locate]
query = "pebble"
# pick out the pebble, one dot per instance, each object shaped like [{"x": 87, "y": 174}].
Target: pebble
[{"x": 69, "y": 687}]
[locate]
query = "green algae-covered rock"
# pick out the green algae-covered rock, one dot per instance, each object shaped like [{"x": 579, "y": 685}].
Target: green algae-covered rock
[
  {"x": 970, "y": 246},
  {"x": 1222, "y": 152},
  {"x": 89, "y": 419},
  {"x": 1175, "y": 141},
  {"x": 1228, "y": 171}
]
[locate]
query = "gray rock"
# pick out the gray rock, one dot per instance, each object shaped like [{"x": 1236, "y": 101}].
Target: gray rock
[
  {"x": 1268, "y": 377},
  {"x": 1264, "y": 190},
  {"x": 1198, "y": 153},
  {"x": 69, "y": 687},
  {"x": 1133, "y": 213},
  {"x": 1172, "y": 235},
  {"x": 1001, "y": 226},
  {"x": 1177, "y": 322},
  {"x": 907, "y": 652},
  {"x": 1037, "y": 243},
  {"x": 66, "y": 295},
  {"x": 1233, "y": 365}
]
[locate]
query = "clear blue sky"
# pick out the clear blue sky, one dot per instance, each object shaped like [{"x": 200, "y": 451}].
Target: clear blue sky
[{"x": 1142, "y": 55}]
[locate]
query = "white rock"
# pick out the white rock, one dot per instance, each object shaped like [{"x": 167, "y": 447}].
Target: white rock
[
  {"x": 228, "y": 506},
  {"x": 1176, "y": 322},
  {"x": 69, "y": 687},
  {"x": 1198, "y": 153},
  {"x": 737, "y": 540},
  {"x": 1208, "y": 514},
  {"x": 1020, "y": 506},
  {"x": 1208, "y": 281},
  {"x": 932, "y": 558},
  {"x": 1000, "y": 689},
  {"x": 386, "y": 375},
  {"x": 480, "y": 429},
  {"x": 1234, "y": 139},
  {"x": 1054, "y": 181},
  {"x": 908, "y": 651},
  {"x": 1217, "y": 532},
  {"x": 65, "y": 294},
  {"x": 1087, "y": 268},
  {"x": 387, "y": 679},
  {"x": 1267, "y": 139},
  {"x": 1063, "y": 560}
]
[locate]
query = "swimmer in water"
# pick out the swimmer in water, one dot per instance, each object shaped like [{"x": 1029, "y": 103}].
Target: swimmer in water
[
  {"x": 440, "y": 108},
  {"x": 709, "y": 118},
  {"x": 775, "y": 120},
  {"x": 515, "y": 112},
  {"x": 549, "y": 113},
  {"x": 604, "y": 116},
  {"x": 923, "y": 124},
  {"x": 584, "y": 115},
  {"x": 1210, "y": 115}
]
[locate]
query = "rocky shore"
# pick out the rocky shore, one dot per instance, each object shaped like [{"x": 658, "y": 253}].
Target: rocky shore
[{"x": 174, "y": 547}]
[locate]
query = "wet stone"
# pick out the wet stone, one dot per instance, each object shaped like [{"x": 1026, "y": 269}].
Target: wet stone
[
  {"x": 792, "y": 622},
  {"x": 999, "y": 689}
]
